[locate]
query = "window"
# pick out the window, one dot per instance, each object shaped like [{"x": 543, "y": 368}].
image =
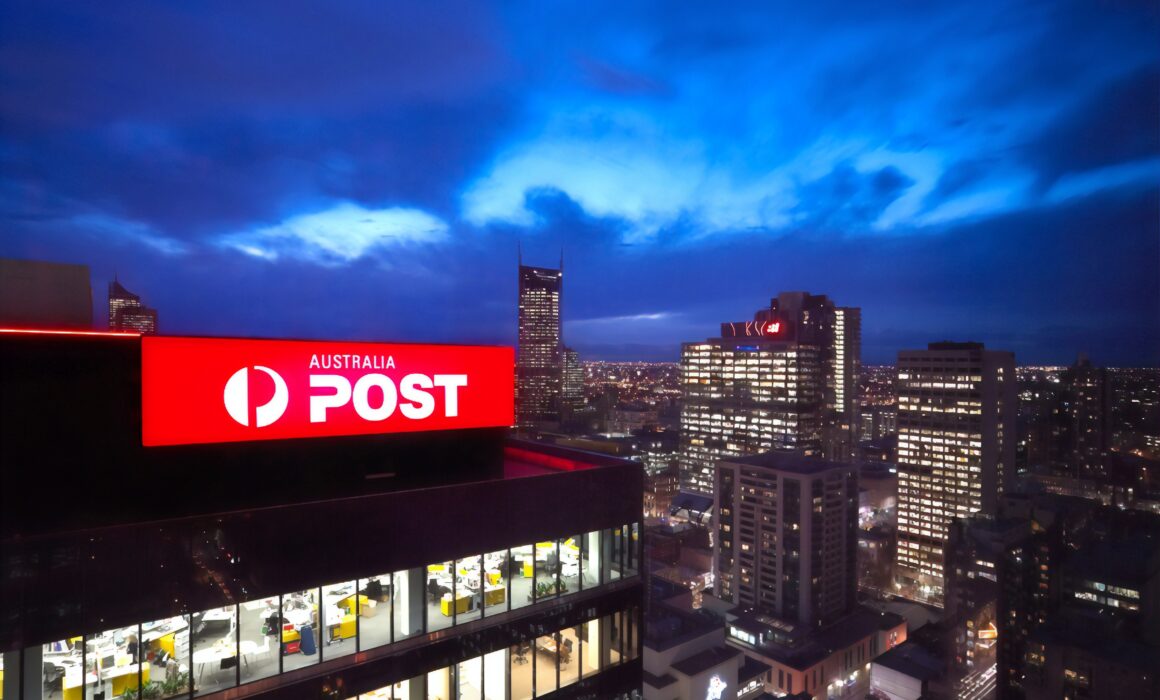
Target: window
[
  {"x": 546, "y": 652},
  {"x": 342, "y": 603},
  {"x": 258, "y": 627},
  {"x": 165, "y": 645},
  {"x": 300, "y": 637},
  {"x": 214, "y": 637},
  {"x": 523, "y": 573},
  {"x": 443, "y": 601}
]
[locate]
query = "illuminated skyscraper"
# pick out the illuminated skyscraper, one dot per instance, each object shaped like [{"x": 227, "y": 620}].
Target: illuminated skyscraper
[
  {"x": 127, "y": 313},
  {"x": 956, "y": 451},
  {"x": 540, "y": 356},
  {"x": 573, "y": 382},
  {"x": 786, "y": 380}
]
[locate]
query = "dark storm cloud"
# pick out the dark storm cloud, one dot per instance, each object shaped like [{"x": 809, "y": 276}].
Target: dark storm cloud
[
  {"x": 1118, "y": 123},
  {"x": 848, "y": 200}
]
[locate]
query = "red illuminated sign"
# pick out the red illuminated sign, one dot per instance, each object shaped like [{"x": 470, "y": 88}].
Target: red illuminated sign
[
  {"x": 204, "y": 390},
  {"x": 773, "y": 328}
]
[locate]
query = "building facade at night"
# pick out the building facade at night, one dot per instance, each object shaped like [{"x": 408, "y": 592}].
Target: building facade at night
[
  {"x": 956, "y": 451},
  {"x": 540, "y": 355},
  {"x": 127, "y": 313},
  {"x": 786, "y": 538},
  {"x": 39, "y": 294},
  {"x": 321, "y": 544},
  {"x": 786, "y": 380}
]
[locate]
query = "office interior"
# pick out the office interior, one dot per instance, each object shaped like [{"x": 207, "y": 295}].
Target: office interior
[{"x": 212, "y": 650}]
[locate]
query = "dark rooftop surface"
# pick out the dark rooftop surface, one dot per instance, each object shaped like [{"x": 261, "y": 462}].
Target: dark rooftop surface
[
  {"x": 787, "y": 462},
  {"x": 705, "y": 660},
  {"x": 912, "y": 660},
  {"x": 657, "y": 682},
  {"x": 1132, "y": 560},
  {"x": 817, "y": 645},
  {"x": 750, "y": 669}
]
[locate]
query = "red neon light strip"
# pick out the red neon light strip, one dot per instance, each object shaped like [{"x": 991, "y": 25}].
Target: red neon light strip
[
  {"x": 37, "y": 331},
  {"x": 543, "y": 460}
]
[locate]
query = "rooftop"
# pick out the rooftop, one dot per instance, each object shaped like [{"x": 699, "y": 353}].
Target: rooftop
[
  {"x": 912, "y": 660},
  {"x": 815, "y": 646},
  {"x": 705, "y": 660},
  {"x": 788, "y": 462}
]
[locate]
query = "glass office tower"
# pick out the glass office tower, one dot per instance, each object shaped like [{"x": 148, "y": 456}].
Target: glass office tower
[
  {"x": 539, "y": 357},
  {"x": 452, "y": 564}
]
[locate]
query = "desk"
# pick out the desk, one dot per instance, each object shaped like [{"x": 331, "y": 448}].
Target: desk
[
  {"x": 348, "y": 604},
  {"x": 493, "y": 576},
  {"x": 494, "y": 595},
  {"x": 215, "y": 654},
  {"x": 342, "y": 627},
  {"x": 462, "y": 604},
  {"x": 123, "y": 678}
]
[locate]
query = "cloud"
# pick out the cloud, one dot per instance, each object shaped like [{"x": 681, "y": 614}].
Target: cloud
[
  {"x": 630, "y": 318},
  {"x": 339, "y": 235}
]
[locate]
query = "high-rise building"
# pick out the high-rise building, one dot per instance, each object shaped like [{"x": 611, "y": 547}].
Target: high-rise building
[
  {"x": 787, "y": 538},
  {"x": 540, "y": 355},
  {"x": 127, "y": 313},
  {"x": 37, "y": 294},
  {"x": 786, "y": 380},
  {"x": 956, "y": 451},
  {"x": 384, "y": 540},
  {"x": 572, "y": 388}
]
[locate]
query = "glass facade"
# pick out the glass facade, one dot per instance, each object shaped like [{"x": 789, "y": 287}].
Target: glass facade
[
  {"x": 219, "y": 648},
  {"x": 531, "y": 669}
]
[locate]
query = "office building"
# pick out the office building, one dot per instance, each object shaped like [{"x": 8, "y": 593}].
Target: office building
[
  {"x": 37, "y": 294},
  {"x": 787, "y": 538},
  {"x": 956, "y": 451},
  {"x": 786, "y": 380},
  {"x": 540, "y": 355},
  {"x": 301, "y": 519},
  {"x": 127, "y": 313}
]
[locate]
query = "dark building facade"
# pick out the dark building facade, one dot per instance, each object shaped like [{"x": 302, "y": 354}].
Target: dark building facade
[
  {"x": 38, "y": 294},
  {"x": 540, "y": 354},
  {"x": 452, "y": 563}
]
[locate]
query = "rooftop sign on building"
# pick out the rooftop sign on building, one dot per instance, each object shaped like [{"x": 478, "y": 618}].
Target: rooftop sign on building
[{"x": 210, "y": 390}]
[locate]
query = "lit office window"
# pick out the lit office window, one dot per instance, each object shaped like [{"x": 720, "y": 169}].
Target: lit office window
[
  {"x": 439, "y": 684},
  {"x": 469, "y": 580},
  {"x": 569, "y": 549},
  {"x": 523, "y": 575},
  {"x": 590, "y": 556},
  {"x": 165, "y": 644},
  {"x": 521, "y": 671},
  {"x": 341, "y": 606},
  {"x": 546, "y": 651},
  {"x": 300, "y": 637},
  {"x": 569, "y": 656},
  {"x": 442, "y": 599},
  {"x": 495, "y": 675},
  {"x": 62, "y": 668},
  {"x": 376, "y": 596},
  {"x": 258, "y": 629},
  {"x": 410, "y": 599},
  {"x": 214, "y": 634},
  {"x": 590, "y": 651},
  {"x": 469, "y": 679},
  {"x": 547, "y": 571},
  {"x": 496, "y": 566}
]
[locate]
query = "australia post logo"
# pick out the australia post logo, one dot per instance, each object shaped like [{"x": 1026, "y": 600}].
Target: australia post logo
[{"x": 203, "y": 390}]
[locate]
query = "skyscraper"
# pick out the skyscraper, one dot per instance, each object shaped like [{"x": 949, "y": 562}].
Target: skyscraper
[
  {"x": 786, "y": 540},
  {"x": 127, "y": 313},
  {"x": 956, "y": 451},
  {"x": 786, "y": 380},
  {"x": 539, "y": 357}
]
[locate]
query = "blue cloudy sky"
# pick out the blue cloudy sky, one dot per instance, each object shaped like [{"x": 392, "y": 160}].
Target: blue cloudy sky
[{"x": 983, "y": 170}]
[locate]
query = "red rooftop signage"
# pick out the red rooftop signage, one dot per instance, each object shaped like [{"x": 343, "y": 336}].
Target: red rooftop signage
[{"x": 205, "y": 390}]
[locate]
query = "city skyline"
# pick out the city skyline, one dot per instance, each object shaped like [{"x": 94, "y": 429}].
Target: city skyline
[{"x": 986, "y": 173}]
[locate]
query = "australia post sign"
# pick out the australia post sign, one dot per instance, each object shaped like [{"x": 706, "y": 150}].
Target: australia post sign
[{"x": 202, "y": 390}]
